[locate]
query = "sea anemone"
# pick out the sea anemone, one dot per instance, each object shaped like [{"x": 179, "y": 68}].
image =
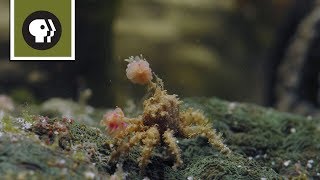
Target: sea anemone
[
  {"x": 114, "y": 121},
  {"x": 138, "y": 70}
]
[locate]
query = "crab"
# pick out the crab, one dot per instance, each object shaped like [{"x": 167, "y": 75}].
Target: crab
[{"x": 161, "y": 122}]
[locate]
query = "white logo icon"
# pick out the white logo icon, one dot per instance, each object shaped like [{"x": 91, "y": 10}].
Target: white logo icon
[{"x": 39, "y": 29}]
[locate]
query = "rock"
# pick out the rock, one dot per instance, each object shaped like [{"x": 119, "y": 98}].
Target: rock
[{"x": 262, "y": 141}]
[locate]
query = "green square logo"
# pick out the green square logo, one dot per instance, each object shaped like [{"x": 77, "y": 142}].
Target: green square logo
[{"x": 42, "y": 30}]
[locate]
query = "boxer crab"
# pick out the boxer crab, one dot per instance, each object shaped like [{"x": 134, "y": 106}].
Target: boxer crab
[{"x": 160, "y": 123}]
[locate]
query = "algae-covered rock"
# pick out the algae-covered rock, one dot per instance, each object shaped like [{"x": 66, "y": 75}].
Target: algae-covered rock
[
  {"x": 264, "y": 143},
  {"x": 71, "y": 109},
  {"x": 24, "y": 158},
  {"x": 287, "y": 143}
]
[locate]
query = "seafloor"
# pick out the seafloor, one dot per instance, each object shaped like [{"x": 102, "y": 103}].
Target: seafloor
[{"x": 265, "y": 144}]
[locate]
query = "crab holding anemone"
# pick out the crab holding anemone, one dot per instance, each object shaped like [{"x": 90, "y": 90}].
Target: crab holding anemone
[{"x": 161, "y": 121}]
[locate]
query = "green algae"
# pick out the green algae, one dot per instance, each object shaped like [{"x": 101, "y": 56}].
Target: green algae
[
  {"x": 265, "y": 144},
  {"x": 8, "y": 125},
  {"x": 267, "y": 136},
  {"x": 27, "y": 116},
  {"x": 81, "y": 133},
  {"x": 218, "y": 167},
  {"x": 20, "y": 155}
]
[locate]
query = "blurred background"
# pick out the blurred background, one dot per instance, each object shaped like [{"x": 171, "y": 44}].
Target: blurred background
[{"x": 238, "y": 50}]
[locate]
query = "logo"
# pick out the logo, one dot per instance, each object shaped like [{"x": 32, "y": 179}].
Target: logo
[{"x": 41, "y": 30}]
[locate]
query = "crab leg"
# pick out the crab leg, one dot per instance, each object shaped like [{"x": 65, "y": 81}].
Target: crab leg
[
  {"x": 191, "y": 117},
  {"x": 134, "y": 125},
  {"x": 125, "y": 147},
  {"x": 214, "y": 138},
  {"x": 150, "y": 141},
  {"x": 170, "y": 140}
]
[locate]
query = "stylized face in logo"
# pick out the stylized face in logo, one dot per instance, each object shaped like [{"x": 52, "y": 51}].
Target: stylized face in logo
[{"x": 41, "y": 30}]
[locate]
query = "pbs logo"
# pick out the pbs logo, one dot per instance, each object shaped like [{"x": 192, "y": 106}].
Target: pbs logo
[{"x": 41, "y": 30}]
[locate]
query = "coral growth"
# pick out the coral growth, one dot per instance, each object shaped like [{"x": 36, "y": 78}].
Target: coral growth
[{"x": 159, "y": 124}]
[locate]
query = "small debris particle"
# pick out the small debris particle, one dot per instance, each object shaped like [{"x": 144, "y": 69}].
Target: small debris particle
[
  {"x": 62, "y": 162},
  {"x": 190, "y": 178},
  {"x": 311, "y": 161},
  {"x": 286, "y": 163},
  {"x": 309, "y": 164},
  {"x": 293, "y": 130},
  {"x": 24, "y": 125},
  {"x": 231, "y": 107},
  {"x": 89, "y": 175}
]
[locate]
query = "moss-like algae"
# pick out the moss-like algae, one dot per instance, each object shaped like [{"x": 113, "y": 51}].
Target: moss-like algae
[
  {"x": 8, "y": 125},
  {"x": 81, "y": 133},
  {"x": 20, "y": 156},
  {"x": 269, "y": 137},
  {"x": 265, "y": 144},
  {"x": 218, "y": 167}
]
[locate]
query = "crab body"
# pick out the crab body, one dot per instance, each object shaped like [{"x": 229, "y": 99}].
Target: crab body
[{"x": 162, "y": 111}]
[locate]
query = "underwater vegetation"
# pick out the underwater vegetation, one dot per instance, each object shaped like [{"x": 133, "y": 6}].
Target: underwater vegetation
[{"x": 45, "y": 141}]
